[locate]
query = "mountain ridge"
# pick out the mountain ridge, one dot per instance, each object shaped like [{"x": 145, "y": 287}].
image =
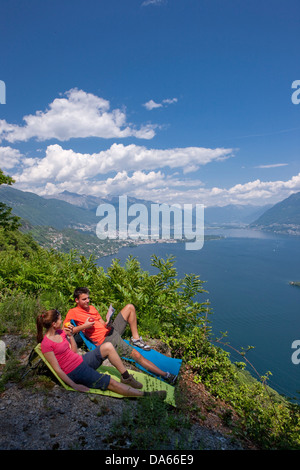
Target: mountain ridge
[
  {"x": 283, "y": 217},
  {"x": 76, "y": 211},
  {"x": 50, "y": 212}
]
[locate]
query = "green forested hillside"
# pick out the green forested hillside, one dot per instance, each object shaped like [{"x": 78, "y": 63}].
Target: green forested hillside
[
  {"x": 32, "y": 278},
  {"x": 47, "y": 212},
  {"x": 66, "y": 239}
]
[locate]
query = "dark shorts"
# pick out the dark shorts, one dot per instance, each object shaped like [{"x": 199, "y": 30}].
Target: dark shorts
[
  {"x": 114, "y": 337},
  {"x": 86, "y": 373}
]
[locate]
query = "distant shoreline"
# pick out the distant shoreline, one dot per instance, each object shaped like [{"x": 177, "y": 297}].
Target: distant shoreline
[{"x": 137, "y": 243}]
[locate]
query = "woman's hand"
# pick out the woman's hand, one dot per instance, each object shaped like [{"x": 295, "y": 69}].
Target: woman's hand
[
  {"x": 68, "y": 328},
  {"x": 80, "y": 388}
]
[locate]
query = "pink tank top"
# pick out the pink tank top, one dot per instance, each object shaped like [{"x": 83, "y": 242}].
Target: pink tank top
[{"x": 67, "y": 359}]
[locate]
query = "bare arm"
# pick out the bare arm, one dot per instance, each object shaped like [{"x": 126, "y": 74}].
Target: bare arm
[
  {"x": 84, "y": 326},
  {"x": 69, "y": 330},
  {"x": 50, "y": 356}
]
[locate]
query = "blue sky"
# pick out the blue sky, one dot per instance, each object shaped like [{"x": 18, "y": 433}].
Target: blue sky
[{"x": 186, "y": 101}]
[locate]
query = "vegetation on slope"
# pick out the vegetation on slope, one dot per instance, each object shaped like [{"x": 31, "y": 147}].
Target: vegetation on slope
[{"x": 32, "y": 278}]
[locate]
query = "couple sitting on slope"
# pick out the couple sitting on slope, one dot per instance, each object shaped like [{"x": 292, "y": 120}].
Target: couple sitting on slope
[{"x": 60, "y": 349}]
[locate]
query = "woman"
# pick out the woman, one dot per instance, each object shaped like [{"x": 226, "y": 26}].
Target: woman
[{"x": 79, "y": 372}]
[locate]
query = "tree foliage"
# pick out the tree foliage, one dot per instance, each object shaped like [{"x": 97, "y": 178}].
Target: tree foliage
[
  {"x": 32, "y": 278},
  {"x": 7, "y": 220}
]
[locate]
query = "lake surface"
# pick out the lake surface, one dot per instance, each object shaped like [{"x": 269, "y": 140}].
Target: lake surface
[{"x": 247, "y": 276}]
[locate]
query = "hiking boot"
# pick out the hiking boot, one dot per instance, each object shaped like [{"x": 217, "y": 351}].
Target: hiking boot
[
  {"x": 131, "y": 382},
  {"x": 140, "y": 343},
  {"x": 170, "y": 378}
]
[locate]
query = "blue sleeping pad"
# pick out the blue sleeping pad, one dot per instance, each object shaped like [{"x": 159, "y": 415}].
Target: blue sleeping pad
[{"x": 165, "y": 363}]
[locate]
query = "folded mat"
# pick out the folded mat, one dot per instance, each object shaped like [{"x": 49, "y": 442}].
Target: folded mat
[
  {"x": 165, "y": 363},
  {"x": 149, "y": 383}
]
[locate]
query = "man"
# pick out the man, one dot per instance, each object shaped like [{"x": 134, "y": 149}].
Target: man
[{"x": 87, "y": 318}]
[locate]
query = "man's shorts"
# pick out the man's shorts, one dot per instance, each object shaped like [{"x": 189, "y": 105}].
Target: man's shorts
[{"x": 114, "y": 337}]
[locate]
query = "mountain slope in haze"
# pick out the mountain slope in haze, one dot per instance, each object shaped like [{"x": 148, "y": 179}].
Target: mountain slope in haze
[
  {"x": 230, "y": 214},
  {"x": 233, "y": 214},
  {"x": 92, "y": 202},
  {"x": 283, "y": 217},
  {"x": 79, "y": 200},
  {"x": 71, "y": 210},
  {"x": 47, "y": 212}
]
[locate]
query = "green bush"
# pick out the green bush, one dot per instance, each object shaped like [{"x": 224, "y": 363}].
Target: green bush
[{"x": 32, "y": 278}]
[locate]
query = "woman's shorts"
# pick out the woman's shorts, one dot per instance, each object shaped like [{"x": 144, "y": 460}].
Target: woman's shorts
[
  {"x": 114, "y": 337},
  {"x": 86, "y": 373}
]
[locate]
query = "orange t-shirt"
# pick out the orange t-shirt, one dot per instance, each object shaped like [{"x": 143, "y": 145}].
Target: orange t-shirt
[{"x": 95, "y": 333}]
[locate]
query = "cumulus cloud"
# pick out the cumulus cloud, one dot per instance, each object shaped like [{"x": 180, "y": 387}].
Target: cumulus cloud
[
  {"x": 143, "y": 173},
  {"x": 9, "y": 158},
  {"x": 154, "y": 186},
  {"x": 255, "y": 192},
  {"x": 76, "y": 114},
  {"x": 159, "y": 187},
  {"x": 160, "y": 175},
  {"x": 60, "y": 164}
]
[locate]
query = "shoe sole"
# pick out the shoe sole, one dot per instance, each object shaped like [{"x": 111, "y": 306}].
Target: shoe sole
[{"x": 145, "y": 348}]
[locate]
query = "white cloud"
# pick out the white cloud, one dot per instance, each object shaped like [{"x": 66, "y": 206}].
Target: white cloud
[
  {"x": 144, "y": 173},
  {"x": 160, "y": 175},
  {"x": 152, "y": 2},
  {"x": 158, "y": 187},
  {"x": 274, "y": 165},
  {"x": 9, "y": 158},
  {"x": 255, "y": 192},
  {"x": 151, "y": 104},
  {"x": 77, "y": 114},
  {"x": 61, "y": 165},
  {"x": 170, "y": 101}
]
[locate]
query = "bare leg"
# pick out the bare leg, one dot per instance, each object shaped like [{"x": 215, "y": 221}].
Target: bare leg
[
  {"x": 147, "y": 364},
  {"x": 108, "y": 350},
  {"x": 129, "y": 315},
  {"x": 125, "y": 390}
]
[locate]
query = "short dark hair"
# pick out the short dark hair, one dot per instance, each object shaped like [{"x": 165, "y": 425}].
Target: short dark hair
[{"x": 80, "y": 290}]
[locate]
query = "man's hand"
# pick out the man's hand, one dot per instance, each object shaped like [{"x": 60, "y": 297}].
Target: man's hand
[
  {"x": 88, "y": 323},
  {"x": 110, "y": 311}
]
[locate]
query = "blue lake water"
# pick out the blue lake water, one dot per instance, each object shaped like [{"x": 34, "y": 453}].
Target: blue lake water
[{"x": 247, "y": 276}]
